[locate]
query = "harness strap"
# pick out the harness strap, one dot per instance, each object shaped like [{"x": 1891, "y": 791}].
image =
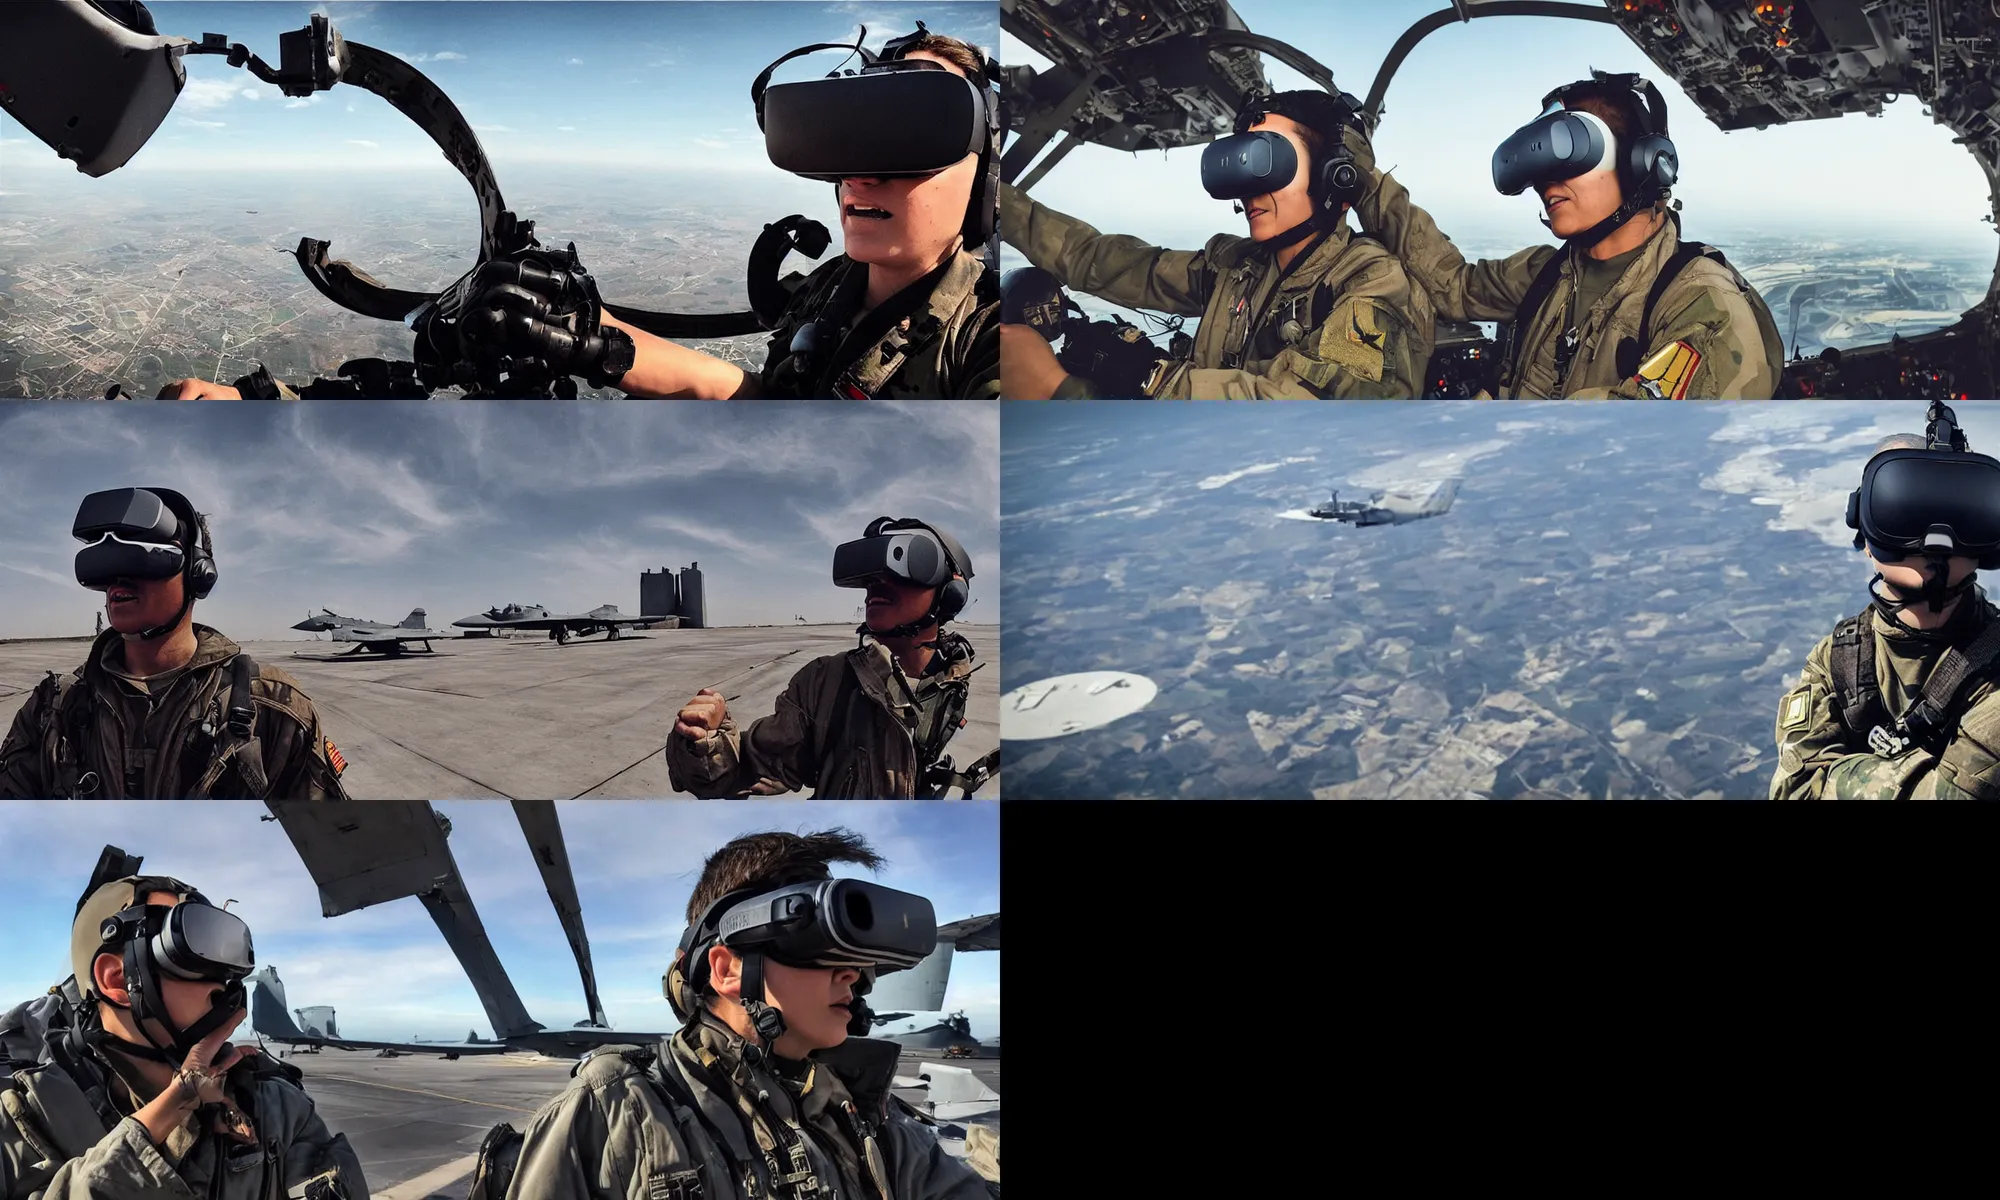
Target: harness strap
[
  {"x": 1853, "y": 661},
  {"x": 1531, "y": 304},
  {"x": 1630, "y": 350}
]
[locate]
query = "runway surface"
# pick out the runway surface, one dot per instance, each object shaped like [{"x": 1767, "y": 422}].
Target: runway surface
[
  {"x": 416, "y": 1122},
  {"x": 523, "y": 718}
]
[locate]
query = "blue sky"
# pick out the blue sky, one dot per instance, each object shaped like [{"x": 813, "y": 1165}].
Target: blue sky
[
  {"x": 546, "y": 84},
  {"x": 386, "y": 970},
  {"x": 372, "y": 509},
  {"x": 1466, "y": 87}
]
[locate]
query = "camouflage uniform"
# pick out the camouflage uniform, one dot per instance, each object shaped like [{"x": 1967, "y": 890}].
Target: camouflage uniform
[
  {"x": 864, "y": 695},
  {"x": 1820, "y": 759},
  {"x": 1708, "y": 308},
  {"x": 65, "y": 1135},
  {"x": 949, "y": 349},
  {"x": 1345, "y": 323},
  {"x": 622, "y": 1129},
  {"x": 101, "y": 733}
]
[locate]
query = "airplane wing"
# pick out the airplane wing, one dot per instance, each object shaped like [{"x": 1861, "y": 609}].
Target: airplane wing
[
  {"x": 973, "y": 933},
  {"x": 367, "y": 852},
  {"x": 545, "y": 840},
  {"x": 270, "y": 1020}
]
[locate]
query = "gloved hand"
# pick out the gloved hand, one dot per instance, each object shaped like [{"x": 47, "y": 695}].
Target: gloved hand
[{"x": 535, "y": 318}]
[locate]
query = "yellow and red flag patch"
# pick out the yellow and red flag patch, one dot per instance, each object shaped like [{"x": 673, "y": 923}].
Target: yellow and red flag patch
[
  {"x": 334, "y": 759},
  {"x": 1666, "y": 375}
]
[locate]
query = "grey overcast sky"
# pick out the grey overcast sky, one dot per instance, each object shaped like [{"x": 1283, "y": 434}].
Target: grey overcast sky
[
  {"x": 386, "y": 969},
  {"x": 372, "y": 509}
]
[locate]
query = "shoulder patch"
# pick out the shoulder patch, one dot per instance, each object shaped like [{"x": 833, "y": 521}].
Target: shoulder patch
[
  {"x": 1798, "y": 708},
  {"x": 1357, "y": 336},
  {"x": 1666, "y": 375}
]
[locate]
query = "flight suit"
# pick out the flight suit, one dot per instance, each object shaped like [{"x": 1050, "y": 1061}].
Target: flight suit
[
  {"x": 1343, "y": 323},
  {"x": 847, "y": 725},
  {"x": 1730, "y": 345},
  {"x": 104, "y": 734},
  {"x": 774, "y": 1129},
  {"x": 949, "y": 348},
  {"x": 65, "y": 1135},
  {"x": 1819, "y": 759}
]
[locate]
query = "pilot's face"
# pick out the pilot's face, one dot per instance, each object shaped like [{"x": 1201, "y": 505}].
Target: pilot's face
[
  {"x": 815, "y": 1002},
  {"x": 893, "y": 602},
  {"x": 1911, "y": 573},
  {"x": 1272, "y": 214},
  {"x": 131, "y": 605},
  {"x": 1575, "y": 205},
  {"x": 908, "y": 223}
]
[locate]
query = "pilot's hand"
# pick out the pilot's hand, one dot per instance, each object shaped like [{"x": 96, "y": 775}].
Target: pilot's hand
[
  {"x": 1357, "y": 145},
  {"x": 521, "y": 312},
  {"x": 197, "y": 389},
  {"x": 1028, "y": 366},
  {"x": 199, "y": 1080},
  {"x": 702, "y": 715}
]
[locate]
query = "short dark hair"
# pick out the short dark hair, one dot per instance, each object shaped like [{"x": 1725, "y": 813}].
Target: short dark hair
[
  {"x": 959, "y": 54},
  {"x": 1616, "y": 107},
  {"x": 774, "y": 860}
]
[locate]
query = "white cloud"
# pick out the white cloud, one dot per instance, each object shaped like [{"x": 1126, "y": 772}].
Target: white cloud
[
  {"x": 575, "y": 62},
  {"x": 250, "y": 94},
  {"x": 711, "y": 143},
  {"x": 448, "y": 56},
  {"x": 565, "y": 129},
  {"x": 305, "y": 101},
  {"x": 202, "y": 124},
  {"x": 202, "y": 95},
  {"x": 365, "y": 145}
]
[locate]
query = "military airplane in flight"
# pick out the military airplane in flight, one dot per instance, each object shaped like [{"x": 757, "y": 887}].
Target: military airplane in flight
[
  {"x": 372, "y": 636},
  {"x": 1392, "y": 506},
  {"x": 1158, "y": 74},
  {"x": 605, "y": 618},
  {"x": 365, "y": 854}
]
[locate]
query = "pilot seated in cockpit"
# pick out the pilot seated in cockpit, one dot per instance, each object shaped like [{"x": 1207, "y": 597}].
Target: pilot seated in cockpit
[
  {"x": 1303, "y": 308},
  {"x": 1624, "y": 309}
]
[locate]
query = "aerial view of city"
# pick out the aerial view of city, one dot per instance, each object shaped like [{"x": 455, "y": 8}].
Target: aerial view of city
[{"x": 1613, "y": 607}]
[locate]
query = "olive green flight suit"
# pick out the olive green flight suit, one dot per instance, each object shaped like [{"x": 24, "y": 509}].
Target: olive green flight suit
[
  {"x": 1344, "y": 323},
  {"x": 948, "y": 349},
  {"x": 105, "y": 734},
  {"x": 861, "y": 697},
  {"x": 65, "y": 1135},
  {"x": 1712, "y": 335},
  {"x": 771, "y": 1129},
  {"x": 1819, "y": 759}
]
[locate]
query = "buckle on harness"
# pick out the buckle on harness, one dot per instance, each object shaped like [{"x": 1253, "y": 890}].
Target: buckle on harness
[{"x": 1886, "y": 744}]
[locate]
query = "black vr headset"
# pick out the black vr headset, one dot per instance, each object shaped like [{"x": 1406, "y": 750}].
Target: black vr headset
[
  {"x": 911, "y": 552},
  {"x": 820, "y": 924},
  {"x": 1562, "y": 144},
  {"x": 1938, "y": 502},
  {"x": 143, "y": 533},
  {"x": 896, "y": 118},
  {"x": 1247, "y": 163}
]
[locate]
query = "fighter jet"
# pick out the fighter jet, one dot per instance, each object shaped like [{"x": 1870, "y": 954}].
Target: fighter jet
[
  {"x": 605, "y": 618},
  {"x": 1159, "y": 74},
  {"x": 1392, "y": 506},
  {"x": 373, "y": 637}
]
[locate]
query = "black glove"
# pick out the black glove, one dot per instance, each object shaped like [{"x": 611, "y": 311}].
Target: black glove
[{"x": 535, "y": 318}]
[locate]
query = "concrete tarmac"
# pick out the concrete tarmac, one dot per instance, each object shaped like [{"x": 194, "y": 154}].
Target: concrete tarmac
[
  {"x": 416, "y": 1121},
  {"x": 524, "y": 718}
]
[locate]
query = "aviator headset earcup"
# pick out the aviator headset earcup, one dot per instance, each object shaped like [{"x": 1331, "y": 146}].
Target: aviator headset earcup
[
  {"x": 201, "y": 573},
  {"x": 1652, "y": 160},
  {"x": 1337, "y": 184},
  {"x": 951, "y": 597}
]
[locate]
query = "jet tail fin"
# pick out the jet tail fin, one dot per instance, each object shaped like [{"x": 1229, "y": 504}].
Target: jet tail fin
[
  {"x": 416, "y": 620},
  {"x": 919, "y": 989},
  {"x": 268, "y": 1014}
]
